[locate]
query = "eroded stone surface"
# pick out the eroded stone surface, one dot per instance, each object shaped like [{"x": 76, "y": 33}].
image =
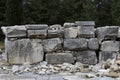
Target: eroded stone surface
[
  {"x": 86, "y": 32},
  {"x": 36, "y": 26},
  {"x": 105, "y": 55},
  {"x": 55, "y": 33},
  {"x": 14, "y": 31},
  {"x": 58, "y": 58},
  {"x": 71, "y": 32},
  {"x": 68, "y": 25},
  {"x": 37, "y": 33},
  {"x": 93, "y": 44},
  {"x": 84, "y": 23},
  {"x": 107, "y": 32},
  {"x": 86, "y": 57},
  {"x": 56, "y": 27},
  {"x": 75, "y": 44},
  {"x": 110, "y": 46},
  {"x": 53, "y": 44},
  {"x": 24, "y": 50}
]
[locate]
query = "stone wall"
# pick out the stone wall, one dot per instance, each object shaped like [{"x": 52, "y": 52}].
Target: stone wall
[{"x": 72, "y": 42}]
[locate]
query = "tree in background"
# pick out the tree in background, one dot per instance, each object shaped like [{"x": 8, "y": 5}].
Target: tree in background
[
  {"x": 2, "y": 12},
  {"x": 72, "y": 10},
  {"x": 67, "y": 10},
  {"x": 14, "y": 12},
  {"x": 42, "y": 11},
  {"x": 104, "y": 14},
  {"x": 89, "y": 10},
  {"x": 116, "y": 12},
  {"x": 2, "y": 17}
]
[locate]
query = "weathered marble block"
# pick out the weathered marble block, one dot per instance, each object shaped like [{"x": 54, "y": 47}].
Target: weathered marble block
[
  {"x": 86, "y": 57},
  {"x": 71, "y": 32},
  {"x": 68, "y": 25},
  {"x": 37, "y": 33},
  {"x": 118, "y": 33},
  {"x": 56, "y": 27},
  {"x": 86, "y": 31},
  {"x": 24, "y": 50},
  {"x": 93, "y": 44},
  {"x": 54, "y": 44},
  {"x": 14, "y": 31},
  {"x": 107, "y": 32},
  {"x": 110, "y": 46},
  {"x": 36, "y": 26},
  {"x": 85, "y": 23},
  {"x": 59, "y": 58},
  {"x": 55, "y": 34},
  {"x": 75, "y": 44},
  {"x": 105, "y": 55}
]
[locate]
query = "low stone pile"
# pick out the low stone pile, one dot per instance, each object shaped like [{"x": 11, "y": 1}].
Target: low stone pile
[{"x": 56, "y": 44}]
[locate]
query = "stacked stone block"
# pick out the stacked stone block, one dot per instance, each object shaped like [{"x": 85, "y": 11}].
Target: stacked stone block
[
  {"x": 109, "y": 47},
  {"x": 74, "y": 42}
]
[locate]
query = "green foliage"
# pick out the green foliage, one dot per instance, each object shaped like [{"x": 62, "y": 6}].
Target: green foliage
[
  {"x": 42, "y": 11},
  {"x": 14, "y": 12},
  {"x": 2, "y": 12},
  {"x": 1, "y": 44},
  {"x": 104, "y": 14},
  {"x": 2, "y": 16},
  {"x": 116, "y": 12},
  {"x": 58, "y": 11},
  {"x": 89, "y": 10}
]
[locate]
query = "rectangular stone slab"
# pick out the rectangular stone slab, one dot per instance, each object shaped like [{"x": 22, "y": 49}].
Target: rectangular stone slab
[
  {"x": 59, "y": 58},
  {"x": 75, "y": 44},
  {"x": 110, "y": 46},
  {"x": 14, "y": 31},
  {"x": 93, "y": 44},
  {"x": 86, "y": 32},
  {"x": 54, "y": 44},
  {"x": 55, "y": 34},
  {"x": 105, "y": 55},
  {"x": 24, "y": 50},
  {"x": 68, "y": 25},
  {"x": 36, "y": 26},
  {"x": 86, "y": 57},
  {"x": 70, "y": 32},
  {"x": 41, "y": 34},
  {"x": 85, "y": 23},
  {"x": 107, "y": 32}
]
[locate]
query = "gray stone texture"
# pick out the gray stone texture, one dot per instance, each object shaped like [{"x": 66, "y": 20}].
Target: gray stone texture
[
  {"x": 68, "y": 25},
  {"x": 71, "y": 32},
  {"x": 106, "y": 32},
  {"x": 75, "y": 44},
  {"x": 55, "y": 33},
  {"x": 54, "y": 44},
  {"x": 24, "y": 50},
  {"x": 110, "y": 46},
  {"x": 56, "y": 27},
  {"x": 118, "y": 33},
  {"x": 102, "y": 78},
  {"x": 86, "y": 31},
  {"x": 84, "y": 23},
  {"x": 93, "y": 44},
  {"x": 105, "y": 55},
  {"x": 41, "y": 34},
  {"x": 86, "y": 57},
  {"x": 14, "y": 31},
  {"x": 58, "y": 58},
  {"x": 36, "y": 26}
]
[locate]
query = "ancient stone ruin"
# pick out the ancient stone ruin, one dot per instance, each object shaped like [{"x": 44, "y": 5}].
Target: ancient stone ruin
[{"x": 70, "y": 43}]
